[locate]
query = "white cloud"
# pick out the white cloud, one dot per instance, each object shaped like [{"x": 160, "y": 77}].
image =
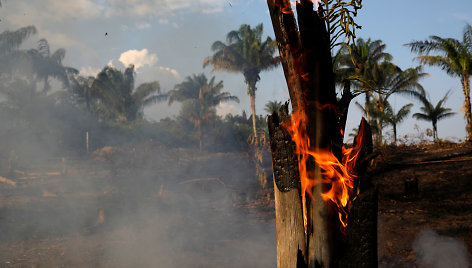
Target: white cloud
[
  {"x": 163, "y": 7},
  {"x": 58, "y": 39},
  {"x": 170, "y": 70},
  {"x": 139, "y": 58},
  {"x": 143, "y": 25},
  {"x": 81, "y": 9},
  {"x": 36, "y": 12},
  {"x": 136, "y": 26},
  {"x": 39, "y": 12}
]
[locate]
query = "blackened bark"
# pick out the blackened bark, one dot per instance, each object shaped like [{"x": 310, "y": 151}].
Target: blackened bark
[
  {"x": 361, "y": 233},
  {"x": 284, "y": 159},
  {"x": 307, "y": 63},
  {"x": 288, "y": 42},
  {"x": 343, "y": 106},
  {"x": 291, "y": 249}
]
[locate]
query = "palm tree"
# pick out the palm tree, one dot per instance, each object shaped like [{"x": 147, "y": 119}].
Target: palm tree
[
  {"x": 81, "y": 89},
  {"x": 46, "y": 64},
  {"x": 388, "y": 79},
  {"x": 454, "y": 57},
  {"x": 272, "y": 106},
  {"x": 434, "y": 113},
  {"x": 199, "y": 99},
  {"x": 393, "y": 119},
  {"x": 246, "y": 53},
  {"x": 379, "y": 82},
  {"x": 10, "y": 42},
  {"x": 115, "y": 98},
  {"x": 358, "y": 61}
]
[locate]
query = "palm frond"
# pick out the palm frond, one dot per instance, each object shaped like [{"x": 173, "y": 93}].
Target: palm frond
[
  {"x": 421, "y": 116},
  {"x": 446, "y": 115},
  {"x": 13, "y": 40}
]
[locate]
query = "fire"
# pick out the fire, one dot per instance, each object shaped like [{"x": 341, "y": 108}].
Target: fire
[
  {"x": 340, "y": 175},
  {"x": 289, "y": 5}
]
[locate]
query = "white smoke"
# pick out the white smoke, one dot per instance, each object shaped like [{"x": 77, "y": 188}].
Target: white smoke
[{"x": 437, "y": 251}]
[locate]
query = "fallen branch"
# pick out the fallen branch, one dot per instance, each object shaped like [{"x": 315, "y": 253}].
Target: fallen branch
[{"x": 7, "y": 181}]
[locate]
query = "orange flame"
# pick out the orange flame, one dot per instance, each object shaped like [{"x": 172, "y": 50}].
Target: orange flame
[
  {"x": 289, "y": 6},
  {"x": 338, "y": 174}
]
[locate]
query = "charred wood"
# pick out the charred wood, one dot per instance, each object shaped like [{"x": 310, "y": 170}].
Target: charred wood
[
  {"x": 306, "y": 59},
  {"x": 361, "y": 233},
  {"x": 291, "y": 249}
]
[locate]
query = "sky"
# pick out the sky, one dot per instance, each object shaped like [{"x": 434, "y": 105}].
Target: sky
[{"x": 167, "y": 40}]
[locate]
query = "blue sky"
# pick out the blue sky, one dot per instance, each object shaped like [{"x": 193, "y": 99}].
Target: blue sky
[{"x": 168, "y": 39}]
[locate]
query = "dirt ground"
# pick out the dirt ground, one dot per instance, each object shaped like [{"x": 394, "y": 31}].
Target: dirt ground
[
  {"x": 157, "y": 208},
  {"x": 443, "y": 202},
  {"x": 187, "y": 209}
]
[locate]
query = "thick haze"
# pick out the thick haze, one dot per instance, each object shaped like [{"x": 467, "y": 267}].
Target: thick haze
[{"x": 168, "y": 39}]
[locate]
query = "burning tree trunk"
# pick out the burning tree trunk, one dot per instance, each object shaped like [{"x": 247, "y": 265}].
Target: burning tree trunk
[
  {"x": 291, "y": 249},
  {"x": 316, "y": 129}
]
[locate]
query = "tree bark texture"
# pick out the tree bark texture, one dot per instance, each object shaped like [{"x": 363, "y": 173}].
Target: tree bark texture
[
  {"x": 468, "y": 112},
  {"x": 291, "y": 249},
  {"x": 252, "y": 101},
  {"x": 306, "y": 59},
  {"x": 361, "y": 233}
]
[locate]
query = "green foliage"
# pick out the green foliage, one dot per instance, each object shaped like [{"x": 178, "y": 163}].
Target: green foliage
[
  {"x": 272, "y": 106},
  {"x": 372, "y": 73},
  {"x": 47, "y": 65},
  {"x": 393, "y": 119},
  {"x": 245, "y": 52},
  {"x": 199, "y": 99},
  {"x": 107, "y": 106},
  {"x": 10, "y": 41},
  {"x": 454, "y": 57},
  {"x": 370, "y": 68},
  {"x": 339, "y": 16},
  {"x": 112, "y": 96},
  {"x": 434, "y": 113}
]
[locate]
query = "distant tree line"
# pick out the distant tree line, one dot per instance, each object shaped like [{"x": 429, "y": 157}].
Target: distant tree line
[{"x": 110, "y": 106}]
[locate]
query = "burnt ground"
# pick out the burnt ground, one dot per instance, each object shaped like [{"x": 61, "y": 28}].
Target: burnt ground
[
  {"x": 443, "y": 202},
  {"x": 155, "y": 207},
  {"x": 138, "y": 208}
]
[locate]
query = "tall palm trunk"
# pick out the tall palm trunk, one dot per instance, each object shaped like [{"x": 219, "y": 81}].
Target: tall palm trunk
[
  {"x": 435, "y": 131},
  {"x": 468, "y": 113},
  {"x": 380, "y": 109},
  {"x": 251, "y": 91},
  {"x": 200, "y": 137},
  {"x": 366, "y": 106},
  {"x": 394, "y": 134}
]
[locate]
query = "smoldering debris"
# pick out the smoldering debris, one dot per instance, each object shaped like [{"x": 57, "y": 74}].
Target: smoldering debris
[{"x": 438, "y": 251}]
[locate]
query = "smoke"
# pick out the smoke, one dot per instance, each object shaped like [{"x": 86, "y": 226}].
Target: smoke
[
  {"x": 131, "y": 194},
  {"x": 437, "y": 251}
]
